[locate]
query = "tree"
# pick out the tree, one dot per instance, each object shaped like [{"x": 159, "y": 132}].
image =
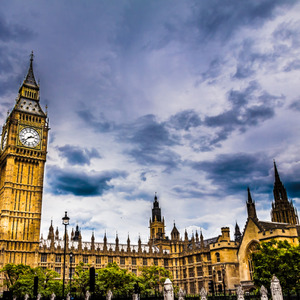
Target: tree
[
  {"x": 152, "y": 278},
  {"x": 81, "y": 278},
  {"x": 279, "y": 258},
  {"x": 19, "y": 279},
  {"x": 119, "y": 281}
]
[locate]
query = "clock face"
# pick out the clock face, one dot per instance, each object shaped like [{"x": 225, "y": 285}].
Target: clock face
[
  {"x": 4, "y": 140},
  {"x": 29, "y": 137}
]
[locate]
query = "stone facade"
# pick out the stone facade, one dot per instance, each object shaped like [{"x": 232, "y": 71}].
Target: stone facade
[{"x": 195, "y": 262}]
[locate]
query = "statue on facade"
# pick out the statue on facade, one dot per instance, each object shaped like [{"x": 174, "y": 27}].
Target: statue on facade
[
  {"x": 52, "y": 297},
  {"x": 109, "y": 295},
  {"x": 87, "y": 295},
  {"x": 240, "y": 293},
  {"x": 276, "y": 289},
  {"x": 181, "y": 294},
  {"x": 203, "y": 293},
  {"x": 263, "y": 293},
  {"x": 168, "y": 290}
]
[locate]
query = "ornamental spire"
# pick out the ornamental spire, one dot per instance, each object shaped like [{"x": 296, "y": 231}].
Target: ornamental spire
[
  {"x": 30, "y": 80},
  {"x": 277, "y": 178}
]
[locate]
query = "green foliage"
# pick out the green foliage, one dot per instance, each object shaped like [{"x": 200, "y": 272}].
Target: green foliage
[
  {"x": 153, "y": 278},
  {"x": 81, "y": 278},
  {"x": 279, "y": 258},
  {"x": 113, "y": 278},
  {"x": 20, "y": 280}
]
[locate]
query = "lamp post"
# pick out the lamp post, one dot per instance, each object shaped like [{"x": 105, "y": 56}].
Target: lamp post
[
  {"x": 71, "y": 261},
  {"x": 223, "y": 276},
  {"x": 65, "y": 222}
]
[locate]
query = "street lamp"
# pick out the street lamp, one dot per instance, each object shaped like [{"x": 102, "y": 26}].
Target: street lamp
[
  {"x": 65, "y": 222},
  {"x": 223, "y": 275},
  {"x": 71, "y": 261}
]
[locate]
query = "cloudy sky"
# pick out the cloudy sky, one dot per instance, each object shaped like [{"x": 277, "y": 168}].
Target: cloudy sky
[{"x": 189, "y": 99}]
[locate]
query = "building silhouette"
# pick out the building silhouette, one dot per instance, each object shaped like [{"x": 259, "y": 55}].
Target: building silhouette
[{"x": 194, "y": 261}]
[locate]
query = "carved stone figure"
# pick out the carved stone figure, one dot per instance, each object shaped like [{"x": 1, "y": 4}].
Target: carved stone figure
[
  {"x": 52, "y": 296},
  {"x": 240, "y": 293},
  {"x": 87, "y": 295},
  {"x": 109, "y": 295},
  {"x": 181, "y": 294},
  {"x": 135, "y": 297},
  {"x": 26, "y": 297},
  {"x": 263, "y": 293},
  {"x": 276, "y": 289},
  {"x": 203, "y": 294},
  {"x": 168, "y": 290}
]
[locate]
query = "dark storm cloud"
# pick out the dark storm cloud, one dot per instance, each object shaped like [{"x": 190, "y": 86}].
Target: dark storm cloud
[
  {"x": 78, "y": 182},
  {"x": 98, "y": 124},
  {"x": 14, "y": 31},
  {"x": 151, "y": 142},
  {"x": 293, "y": 189},
  {"x": 223, "y": 20},
  {"x": 78, "y": 156},
  {"x": 249, "y": 107},
  {"x": 295, "y": 105},
  {"x": 185, "y": 120},
  {"x": 234, "y": 172},
  {"x": 190, "y": 189}
]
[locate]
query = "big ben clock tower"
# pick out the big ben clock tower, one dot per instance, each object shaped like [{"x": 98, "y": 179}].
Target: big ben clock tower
[{"x": 22, "y": 161}]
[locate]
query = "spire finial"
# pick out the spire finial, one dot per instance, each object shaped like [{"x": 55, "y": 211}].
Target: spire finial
[
  {"x": 277, "y": 178},
  {"x": 31, "y": 56},
  {"x": 249, "y": 196}
]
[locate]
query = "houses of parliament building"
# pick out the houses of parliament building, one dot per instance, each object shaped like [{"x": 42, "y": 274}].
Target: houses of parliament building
[{"x": 194, "y": 261}]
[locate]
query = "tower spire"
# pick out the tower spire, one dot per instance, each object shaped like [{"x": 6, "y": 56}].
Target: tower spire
[
  {"x": 251, "y": 206},
  {"x": 277, "y": 178},
  {"x": 30, "y": 80},
  {"x": 282, "y": 211}
]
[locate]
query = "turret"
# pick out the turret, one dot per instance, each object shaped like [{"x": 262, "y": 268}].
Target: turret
[
  {"x": 251, "y": 210},
  {"x": 139, "y": 245},
  {"x": 93, "y": 241},
  {"x": 56, "y": 234},
  {"x": 76, "y": 234},
  {"x": 201, "y": 240},
  {"x": 282, "y": 210},
  {"x": 105, "y": 242},
  {"x": 157, "y": 224},
  {"x": 175, "y": 234},
  {"x": 117, "y": 243},
  {"x": 237, "y": 233},
  {"x": 128, "y": 244},
  {"x": 156, "y": 212},
  {"x": 51, "y": 232}
]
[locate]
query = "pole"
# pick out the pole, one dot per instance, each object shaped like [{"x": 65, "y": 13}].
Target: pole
[
  {"x": 65, "y": 221},
  {"x": 71, "y": 260},
  {"x": 64, "y": 271}
]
